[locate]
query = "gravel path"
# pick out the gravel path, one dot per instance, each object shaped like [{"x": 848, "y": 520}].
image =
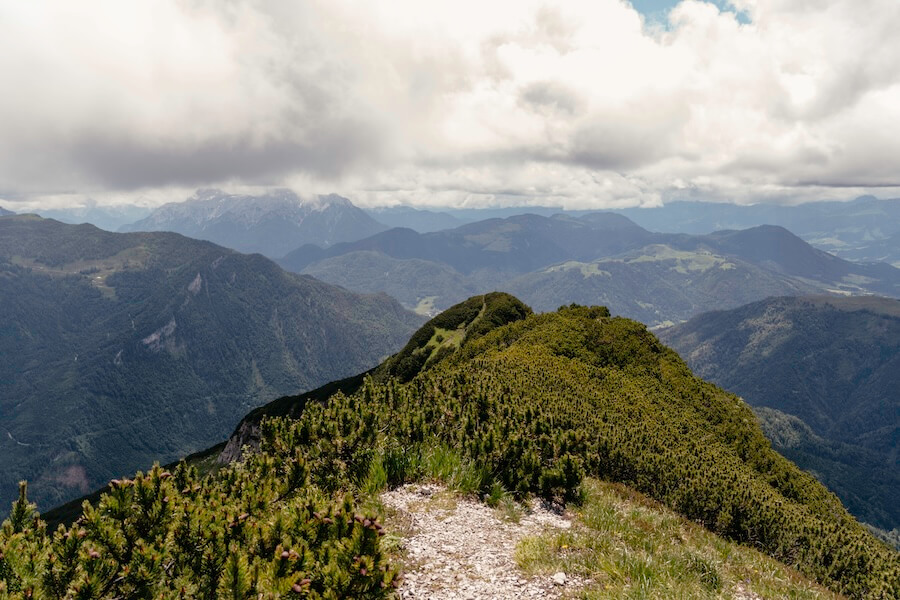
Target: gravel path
[{"x": 459, "y": 549}]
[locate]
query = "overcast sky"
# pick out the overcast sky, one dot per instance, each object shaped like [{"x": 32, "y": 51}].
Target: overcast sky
[{"x": 464, "y": 102}]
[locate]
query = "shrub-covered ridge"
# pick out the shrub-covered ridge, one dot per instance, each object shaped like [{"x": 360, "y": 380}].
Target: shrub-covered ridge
[{"x": 532, "y": 406}]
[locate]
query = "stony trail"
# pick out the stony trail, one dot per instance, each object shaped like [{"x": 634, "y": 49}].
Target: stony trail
[{"x": 460, "y": 549}]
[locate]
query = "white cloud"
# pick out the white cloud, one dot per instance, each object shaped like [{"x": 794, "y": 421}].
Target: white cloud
[{"x": 509, "y": 101}]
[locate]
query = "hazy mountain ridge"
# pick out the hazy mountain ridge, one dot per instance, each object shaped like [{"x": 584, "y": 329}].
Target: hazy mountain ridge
[
  {"x": 124, "y": 348},
  {"x": 4, "y": 212},
  {"x": 108, "y": 217},
  {"x": 866, "y": 229},
  {"x": 272, "y": 224},
  {"x": 834, "y": 363},
  {"x": 421, "y": 220},
  {"x": 597, "y": 257},
  {"x": 863, "y": 230},
  {"x": 402, "y": 278}
]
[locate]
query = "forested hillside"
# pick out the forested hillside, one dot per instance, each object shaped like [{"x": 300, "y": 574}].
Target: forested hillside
[
  {"x": 521, "y": 404},
  {"x": 827, "y": 371},
  {"x": 119, "y": 349}
]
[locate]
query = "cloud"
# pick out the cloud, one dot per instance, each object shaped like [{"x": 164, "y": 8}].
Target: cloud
[{"x": 579, "y": 103}]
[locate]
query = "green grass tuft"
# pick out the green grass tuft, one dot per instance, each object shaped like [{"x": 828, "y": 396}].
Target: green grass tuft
[{"x": 629, "y": 546}]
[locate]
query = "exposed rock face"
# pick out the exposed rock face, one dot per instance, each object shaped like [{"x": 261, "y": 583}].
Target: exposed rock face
[{"x": 247, "y": 434}]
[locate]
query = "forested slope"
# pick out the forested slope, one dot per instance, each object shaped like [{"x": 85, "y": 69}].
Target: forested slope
[
  {"x": 121, "y": 349},
  {"x": 833, "y": 364}
]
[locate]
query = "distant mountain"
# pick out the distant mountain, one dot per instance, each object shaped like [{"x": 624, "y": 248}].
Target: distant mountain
[
  {"x": 423, "y": 221},
  {"x": 598, "y": 257},
  {"x": 4, "y": 212},
  {"x": 416, "y": 283},
  {"x": 885, "y": 249},
  {"x": 272, "y": 224},
  {"x": 780, "y": 249},
  {"x": 514, "y": 245},
  {"x": 110, "y": 218},
  {"x": 865, "y": 229},
  {"x": 121, "y": 349},
  {"x": 832, "y": 363},
  {"x": 656, "y": 284}
]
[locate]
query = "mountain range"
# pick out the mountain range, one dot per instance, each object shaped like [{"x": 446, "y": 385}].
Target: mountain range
[
  {"x": 119, "y": 349},
  {"x": 271, "y": 224},
  {"x": 823, "y": 374},
  {"x": 598, "y": 257},
  {"x": 4, "y": 212},
  {"x": 865, "y": 229}
]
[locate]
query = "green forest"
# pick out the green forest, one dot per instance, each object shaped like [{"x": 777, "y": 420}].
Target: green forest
[
  {"x": 122, "y": 349},
  {"x": 531, "y": 404}
]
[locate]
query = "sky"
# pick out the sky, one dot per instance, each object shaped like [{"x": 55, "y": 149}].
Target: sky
[{"x": 581, "y": 104}]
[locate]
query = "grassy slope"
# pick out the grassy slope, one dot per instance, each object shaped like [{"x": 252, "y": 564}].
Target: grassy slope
[
  {"x": 538, "y": 402},
  {"x": 629, "y": 546}
]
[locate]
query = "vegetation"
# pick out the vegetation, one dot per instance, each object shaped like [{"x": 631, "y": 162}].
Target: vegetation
[
  {"x": 823, "y": 374},
  {"x": 530, "y": 406},
  {"x": 628, "y": 546},
  {"x": 254, "y": 531},
  {"x": 122, "y": 349}
]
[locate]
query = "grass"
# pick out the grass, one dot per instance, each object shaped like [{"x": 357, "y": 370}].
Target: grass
[
  {"x": 429, "y": 462},
  {"x": 425, "y": 307},
  {"x": 684, "y": 261},
  {"x": 587, "y": 269},
  {"x": 447, "y": 337},
  {"x": 628, "y": 546}
]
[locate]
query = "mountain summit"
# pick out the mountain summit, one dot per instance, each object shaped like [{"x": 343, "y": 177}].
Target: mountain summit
[{"x": 271, "y": 224}]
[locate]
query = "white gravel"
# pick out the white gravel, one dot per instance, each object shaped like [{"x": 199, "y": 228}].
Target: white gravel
[{"x": 459, "y": 549}]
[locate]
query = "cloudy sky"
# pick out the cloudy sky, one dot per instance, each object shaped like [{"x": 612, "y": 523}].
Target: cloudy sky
[{"x": 601, "y": 103}]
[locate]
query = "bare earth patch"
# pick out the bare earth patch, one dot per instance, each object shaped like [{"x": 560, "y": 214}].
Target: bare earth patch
[{"x": 457, "y": 548}]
